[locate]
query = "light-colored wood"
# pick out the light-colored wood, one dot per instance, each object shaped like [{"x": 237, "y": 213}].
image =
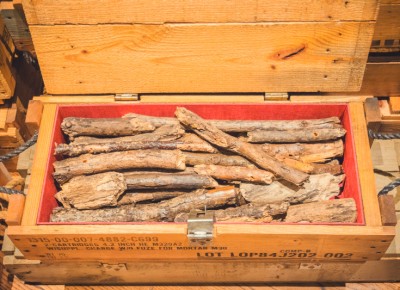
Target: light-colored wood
[
  {"x": 384, "y": 155},
  {"x": 326, "y": 98},
  {"x": 37, "y": 176},
  {"x": 15, "y": 209},
  {"x": 388, "y": 28},
  {"x": 265, "y": 57},
  {"x": 3, "y": 118},
  {"x": 33, "y": 116},
  {"x": 8, "y": 247},
  {"x": 7, "y": 80},
  {"x": 394, "y": 102},
  {"x": 386, "y": 113},
  {"x": 365, "y": 168},
  {"x": 51, "y": 12},
  {"x": 5, "y": 176},
  {"x": 381, "y": 79},
  {"x": 20, "y": 285}
]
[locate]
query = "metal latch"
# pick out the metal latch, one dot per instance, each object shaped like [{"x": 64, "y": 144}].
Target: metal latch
[
  {"x": 200, "y": 227},
  {"x": 126, "y": 97},
  {"x": 276, "y": 97}
]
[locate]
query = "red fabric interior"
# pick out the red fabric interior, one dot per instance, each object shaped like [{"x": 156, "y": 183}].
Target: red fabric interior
[{"x": 208, "y": 111}]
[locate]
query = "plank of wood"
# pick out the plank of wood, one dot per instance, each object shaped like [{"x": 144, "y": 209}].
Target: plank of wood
[
  {"x": 33, "y": 116},
  {"x": 8, "y": 247},
  {"x": 3, "y": 118},
  {"x": 51, "y": 12},
  {"x": 381, "y": 79},
  {"x": 394, "y": 102},
  {"x": 16, "y": 204},
  {"x": 5, "y": 176},
  {"x": 387, "y": 28},
  {"x": 193, "y": 57},
  {"x": 37, "y": 177},
  {"x": 384, "y": 155},
  {"x": 7, "y": 80},
  {"x": 20, "y": 285}
]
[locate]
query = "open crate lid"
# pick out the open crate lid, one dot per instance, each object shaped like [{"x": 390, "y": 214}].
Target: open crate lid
[{"x": 195, "y": 46}]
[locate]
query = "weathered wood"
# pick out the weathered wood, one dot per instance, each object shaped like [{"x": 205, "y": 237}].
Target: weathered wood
[
  {"x": 244, "y": 213},
  {"x": 168, "y": 181},
  {"x": 73, "y": 126},
  {"x": 315, "y": 168},
  {"x": 89, "y": 163},
  {"x": 192, "y": 142},
  {"x": 306, "y": 152},
  {"x": 215, "y": 136},
  {"x": 331, "y": 211},
  {"x": 193, "y": 159},
  {"x": 248, "y": 125},
  {"x": 163, "y": 211},
  {"x": 303, "y": 135},
  {"x": 235, "y": 173},
  {"x": 148, "y": 196},
  {"x": 318, "y": 187},
  {"x": 104, "y": 189},
  {"x": 94, "y": 191}
]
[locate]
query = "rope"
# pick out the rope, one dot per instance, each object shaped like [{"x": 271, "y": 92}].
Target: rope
[
  {"x": 10, "y": 191},
  {"x": 20, "y": 149},
  {"x": 383, "y": 136},
  {"x": 389, "y": 187}
]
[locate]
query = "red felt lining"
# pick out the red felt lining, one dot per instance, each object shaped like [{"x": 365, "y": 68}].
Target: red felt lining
[{"x": 208, "y": 111}]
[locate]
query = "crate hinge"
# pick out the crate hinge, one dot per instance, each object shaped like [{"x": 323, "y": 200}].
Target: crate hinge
[
  {"x": 200, "y": 227},
  {"x": 126, "y": 98},
  {"x": 276, "y": 97}
]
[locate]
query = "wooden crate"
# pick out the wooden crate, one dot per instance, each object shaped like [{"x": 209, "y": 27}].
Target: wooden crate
[{"x": 148, "y": 49}]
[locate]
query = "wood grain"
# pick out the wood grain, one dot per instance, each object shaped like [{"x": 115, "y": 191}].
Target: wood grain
[
  {"x": 51, "y": 12},
  {"x": 388, "y": 27},
  {"x": 330, "y": 56}
]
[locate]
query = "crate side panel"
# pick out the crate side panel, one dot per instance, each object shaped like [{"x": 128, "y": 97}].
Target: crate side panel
[
  {"x": 48, "y": 12},
  {"x": 267, "y": 57}
]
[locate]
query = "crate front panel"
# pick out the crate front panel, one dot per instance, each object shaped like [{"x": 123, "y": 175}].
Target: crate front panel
[
  {"x": 225, "y": 111},
  {"x": 169, "y": 58}
]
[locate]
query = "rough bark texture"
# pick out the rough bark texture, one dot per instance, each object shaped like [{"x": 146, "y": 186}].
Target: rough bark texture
[
  {"x": 91, "y": 192},
  {"x": 192, "y": 142},
  {"x": 148, "y": 196},
  {"x": 163, "y": 211},
  {"x": 248, "y": 125},
  {"x": 193, "y": 159},
  {"x": 169, "y": 181},
  {"x": 318, "y": 187},
  {"x": 244, "y": 213},
  {"x": 73, "y": 126},
  {"x": 90, "y": 164},
  {"x": 314, "y": 168},
  {"x": 253, "y": 152},
  {"x": 306, "y": 152},
  {"x": 235, "y": 173},
  {"x": 304, "y": 135},
  {"x": 330, "y": 211}
]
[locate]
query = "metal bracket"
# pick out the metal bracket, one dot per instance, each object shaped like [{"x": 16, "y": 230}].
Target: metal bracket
[
  {"x": 126, "y": 97},
  {"x": 200, "y": 227},
  {"x": 276, "y": 97}
]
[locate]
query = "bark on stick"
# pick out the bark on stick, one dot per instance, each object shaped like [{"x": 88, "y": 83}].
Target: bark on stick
[
  {"x": 235, "y": 173},
  {"x": 306, "y": 152},
  {"x": 193, "y": 159},
  {"x": 90, "y": 164},
  {"x": 314, "y": 168},
  {"x": 73, "y": 126},
  {"x": 104, "y": 189},
  {"x": 253, "y": 152},
  {"x": 318, "y": 187},
  {"x": 304, "y": 135},
  {"x": 330, "y": 211},
  {"x": 248, "y": 125},
  {"x": 163, "y": 211},
  {"x": 147, "y": 196},
  {"x": 244, "y": 213}
]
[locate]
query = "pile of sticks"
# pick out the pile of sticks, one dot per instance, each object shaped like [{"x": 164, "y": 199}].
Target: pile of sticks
[{"x": 142, "y": 168}]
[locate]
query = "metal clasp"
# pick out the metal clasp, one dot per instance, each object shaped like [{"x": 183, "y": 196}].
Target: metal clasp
[
  {"x": 126, "y": 97},
  {"x": 200, "y": 227}
]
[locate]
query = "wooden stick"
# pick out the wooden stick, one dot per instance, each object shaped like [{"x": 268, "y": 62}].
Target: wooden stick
[
  {"x": 192, "y": 142},
  {"x": 304, "y": 135},
  {"x": 253, "y": 152},
  {"x": 306, "y": 152},
  {"x": 330, "y": 211},
  {"x": 73, "y": 126},
  {"x": 193, "y": 159},
  {"x": 104, "y": 189},
  {"x": 163, "y": 211},
  {"x": 244, "y": 213},
  {"x": 148, "y": 196},
  {"x": 248, "y": 125},
  {"x": 314, "y": 168},
  {"x": 318, "y": 187},
  {"x": 235, "y": 173},
  {"x": 90, "y": 164}
]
